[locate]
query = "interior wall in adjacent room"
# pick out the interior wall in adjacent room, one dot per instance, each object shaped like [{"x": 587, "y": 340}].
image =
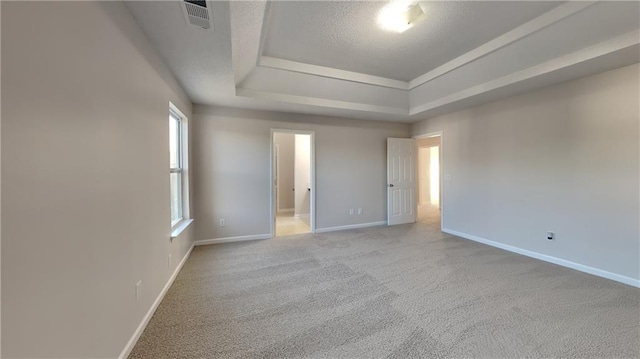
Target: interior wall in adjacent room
[
  {"x": 302, "y": 175},
  {"x": 286, "y": 148}
]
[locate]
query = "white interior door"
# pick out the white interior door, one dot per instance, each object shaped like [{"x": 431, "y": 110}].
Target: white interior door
[{"x": 401, "y": 180}]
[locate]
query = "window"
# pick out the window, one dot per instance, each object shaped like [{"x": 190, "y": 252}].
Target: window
[{"x": 177, "y": 161}]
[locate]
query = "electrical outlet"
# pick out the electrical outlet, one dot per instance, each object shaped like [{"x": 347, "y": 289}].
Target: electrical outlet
[
  {"x": 359, "y": 210},
  {"x": 169, "y": 261},
  {"x": 351, "y": 211},
  {"x": 551, "y": 236},
  {"x": 222, "y": 222},
  {"x": 138, "y": 290}
]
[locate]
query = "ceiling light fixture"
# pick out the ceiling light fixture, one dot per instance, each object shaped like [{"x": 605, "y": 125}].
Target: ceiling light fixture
[{"x": 400, "y": 15}]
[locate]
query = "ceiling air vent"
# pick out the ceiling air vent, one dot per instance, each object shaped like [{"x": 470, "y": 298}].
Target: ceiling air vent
[{"x": 197, "y": 13}]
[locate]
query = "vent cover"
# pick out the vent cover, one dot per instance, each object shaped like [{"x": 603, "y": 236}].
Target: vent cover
[{"x": 197, "y": 13}]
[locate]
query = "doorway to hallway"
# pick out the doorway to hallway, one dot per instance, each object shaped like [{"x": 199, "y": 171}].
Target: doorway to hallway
[
  {"x": 293, "y": 183},
  {"x": 429, "y": 193}
]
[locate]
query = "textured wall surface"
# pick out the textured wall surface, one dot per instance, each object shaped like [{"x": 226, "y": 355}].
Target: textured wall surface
[
  {"x": 85, "y": 178},
  {"x": 231, "y": 155},
  {"x": 561, "y": 159}
]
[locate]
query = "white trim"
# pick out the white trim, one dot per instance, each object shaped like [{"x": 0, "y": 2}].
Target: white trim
[
  {"x": 312, "y": 205},
  {"x": 331, "y": 72},
  {"x": 204, "y": 242},
  {"x": 543, "y": 257},
  {"x": 610, "y": 46},
  {"x": 276, "y": 173},
  {"x": 351, "y": 226},
  {"x": 603, "y": 48},
  {"x": 550, "y": 17},
  {"x": 145, "y": 320},
  {"x": 319, "y": 102},
  {"x": 264, "y": 30},
  {"x": 606, "y": 47},
  {"x": 285, "y": 210},
  {"x": 180, "y": 227},
  {"x": 554, "y": 15},
  {"x": 184, "y": 167},
  {"x": 302, "y": 215},
  {"x": 429, "y": 135},
  {"x": 589, "y": 53}
]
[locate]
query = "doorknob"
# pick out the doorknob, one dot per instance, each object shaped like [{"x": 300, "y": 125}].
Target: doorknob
[{"x": 391, "y": 185}]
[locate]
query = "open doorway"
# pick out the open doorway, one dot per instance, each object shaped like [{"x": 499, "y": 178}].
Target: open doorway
[
  {"x": 293, "y": 183},
  {"x": 429, "y": 193}
]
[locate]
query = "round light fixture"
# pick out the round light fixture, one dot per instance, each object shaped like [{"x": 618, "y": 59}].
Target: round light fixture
[{"x": 400, "y": 15}]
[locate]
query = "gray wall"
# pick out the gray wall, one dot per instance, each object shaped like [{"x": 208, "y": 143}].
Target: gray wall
[
  {"x": 231, "y": 157},
  {"x": 85, "y": 181},
  {"x": 561, "y": 159},
  {"x": 286, "y": 142},
  {"x": 303, "y": 175}
]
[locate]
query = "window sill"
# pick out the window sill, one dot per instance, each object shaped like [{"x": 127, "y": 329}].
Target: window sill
[{"x": 181, "y": 226}]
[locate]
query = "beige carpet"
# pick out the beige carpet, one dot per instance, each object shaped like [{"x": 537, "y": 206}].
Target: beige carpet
[{"x": 406, "y": 291}]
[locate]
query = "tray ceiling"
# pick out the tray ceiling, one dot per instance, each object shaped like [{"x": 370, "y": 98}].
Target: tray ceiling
[
  {"x": 331, "y": 57},
  {"x": 345, "y": 35}
]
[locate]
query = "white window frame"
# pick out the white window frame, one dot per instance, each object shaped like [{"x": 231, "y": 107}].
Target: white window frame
[{"x": 180, "y": 224}]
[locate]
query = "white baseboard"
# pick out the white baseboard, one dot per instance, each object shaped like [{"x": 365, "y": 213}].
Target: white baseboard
[
  {"x": 204, "y": 242},
  {"x": 285, "y": 210},
  {"x": 543, "y": 257},
  {"x": 136, "y": 335},
  {"x": 302, "y": 215},
  {"x": 351, "y": 226}
]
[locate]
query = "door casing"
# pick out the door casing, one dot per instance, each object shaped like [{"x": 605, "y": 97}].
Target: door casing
[{"x": 272, "y": 174}]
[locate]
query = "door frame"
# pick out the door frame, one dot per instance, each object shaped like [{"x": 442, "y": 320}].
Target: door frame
[
  {"x": 441, "y": 159},
  {"x": 276, "y": 174},
  {"x": 273, "y": 210}
]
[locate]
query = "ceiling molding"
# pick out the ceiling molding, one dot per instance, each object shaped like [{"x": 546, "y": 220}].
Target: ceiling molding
[
  {"x": 542, "y": 21},
  {"x": 618, "y": 43},
  {"x": 301, "y": 67},
  {"x": 554, "y": 15},
  {"x": 207, "y": 66},
  {"x": 320, "y": 102},
  {"x": 330, "y": 72},
  {"x": 264, "y": 31}
]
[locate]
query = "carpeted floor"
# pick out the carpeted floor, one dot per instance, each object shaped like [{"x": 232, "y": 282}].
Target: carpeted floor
[{"x": 405, "y": 291}]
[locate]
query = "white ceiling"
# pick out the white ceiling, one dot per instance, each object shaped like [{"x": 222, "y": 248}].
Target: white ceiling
[
  {"x": 344, "y": 34},
  {"x": 331, "y": 58}
]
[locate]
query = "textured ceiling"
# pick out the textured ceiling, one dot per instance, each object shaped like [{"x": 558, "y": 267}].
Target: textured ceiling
[
  {"x": 200, "y": 59},
  {"x": 344, "y": 35},
  {"x": 471, "y": 52}
]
